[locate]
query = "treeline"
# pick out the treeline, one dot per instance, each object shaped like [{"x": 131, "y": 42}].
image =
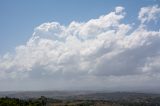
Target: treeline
[
  {"x": 20, "y": 102},
  {"x": 43, "y": 101}
]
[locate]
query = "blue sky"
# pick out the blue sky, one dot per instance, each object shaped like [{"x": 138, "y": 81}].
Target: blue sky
[{"x": 18, "y": 18}]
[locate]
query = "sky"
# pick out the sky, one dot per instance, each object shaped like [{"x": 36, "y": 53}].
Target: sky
[{"x": 80, "y": 45}]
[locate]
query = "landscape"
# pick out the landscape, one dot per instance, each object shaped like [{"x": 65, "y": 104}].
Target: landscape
[
  {"x": 79, "y": 52},
  {"x": 78, "y": 98}
]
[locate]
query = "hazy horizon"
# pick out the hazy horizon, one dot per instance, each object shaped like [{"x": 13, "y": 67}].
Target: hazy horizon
[{"x": 83, "y": 45}]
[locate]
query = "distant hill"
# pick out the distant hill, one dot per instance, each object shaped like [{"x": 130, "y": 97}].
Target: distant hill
[{"x": 81, "y": 95}]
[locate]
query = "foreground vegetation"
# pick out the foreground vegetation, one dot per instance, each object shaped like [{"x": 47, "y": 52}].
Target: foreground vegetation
[
  {"x": 43, "y": 101},
  {"x": 19, "y": 102}
]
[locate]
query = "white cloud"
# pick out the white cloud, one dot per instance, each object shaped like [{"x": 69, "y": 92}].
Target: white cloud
[
  {"x": 92, "y": 53},
  {"x": 119, "y": 9},
  {"x": 147, "y": 14}
]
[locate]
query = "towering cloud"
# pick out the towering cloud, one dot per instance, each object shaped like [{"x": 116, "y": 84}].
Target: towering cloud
[{"x": 102, "y": 53}]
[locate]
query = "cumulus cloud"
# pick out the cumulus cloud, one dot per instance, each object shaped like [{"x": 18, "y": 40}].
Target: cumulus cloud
[
  {"x": 119, "y": 9},
  {"x": 147, "y": 14},
  {"x": 102, "y": 50}
]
